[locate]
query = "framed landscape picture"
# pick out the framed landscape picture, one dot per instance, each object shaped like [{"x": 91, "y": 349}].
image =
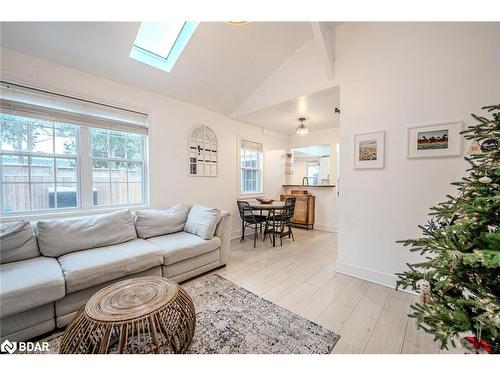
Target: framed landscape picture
[
  {"x": 369, "y": 150},
  {"x": 436, "y": 140}
]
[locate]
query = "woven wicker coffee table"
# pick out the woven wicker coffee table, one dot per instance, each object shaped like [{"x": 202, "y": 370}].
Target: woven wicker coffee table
[{"x": 143, "y": 315}]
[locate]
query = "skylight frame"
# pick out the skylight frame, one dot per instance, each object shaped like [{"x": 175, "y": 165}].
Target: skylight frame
[{"x": 165, "y": 63}]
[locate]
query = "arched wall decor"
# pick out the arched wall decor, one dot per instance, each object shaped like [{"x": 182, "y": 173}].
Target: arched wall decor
[{"x": 203, "y": 157}]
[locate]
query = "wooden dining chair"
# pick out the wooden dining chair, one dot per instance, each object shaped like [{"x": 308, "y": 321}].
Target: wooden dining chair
[{"x": 249, "y": 219}]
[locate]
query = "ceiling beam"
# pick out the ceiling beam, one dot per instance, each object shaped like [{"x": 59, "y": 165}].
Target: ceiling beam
[{"x": 324, "y": 48}]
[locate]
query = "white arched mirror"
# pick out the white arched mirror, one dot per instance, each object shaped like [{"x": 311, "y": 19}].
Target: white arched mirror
[{"x": 203, "y": 157}]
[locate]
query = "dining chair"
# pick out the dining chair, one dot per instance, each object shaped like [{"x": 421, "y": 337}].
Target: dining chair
[
  {"x": 249, "y": 219},
  {"x": 282, "y": 221}
]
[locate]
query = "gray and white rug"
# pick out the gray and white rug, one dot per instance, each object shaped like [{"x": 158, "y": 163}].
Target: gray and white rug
[{"x": 233, "y": 320}]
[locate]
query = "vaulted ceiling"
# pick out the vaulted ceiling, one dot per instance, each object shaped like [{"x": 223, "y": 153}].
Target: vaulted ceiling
[
  {"x": 220, "y": 68},
  {"x": 318, "y": 109},
  {"x": 221, "y": 65}
]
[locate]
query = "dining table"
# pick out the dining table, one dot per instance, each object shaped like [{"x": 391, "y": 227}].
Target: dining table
[{"x": 271, "y": 208}]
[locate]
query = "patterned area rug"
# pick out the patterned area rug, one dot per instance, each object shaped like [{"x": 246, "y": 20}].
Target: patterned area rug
[{"x": 230, "y": 319}]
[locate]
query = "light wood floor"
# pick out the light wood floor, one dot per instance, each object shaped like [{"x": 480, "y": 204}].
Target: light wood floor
[{"x": 300, "y": 277}]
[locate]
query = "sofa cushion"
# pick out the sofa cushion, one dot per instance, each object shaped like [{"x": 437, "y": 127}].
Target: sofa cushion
[
  {"x": 84, "y": 269},
  {"x": 202, "y": 221},
  {"x": 29, "y": 283},
  {"x": 180, "y": 246},
  {"x": 189, "y": 267},
  {"x": 74, "y": 301},
  {"x": 152, "y": 223},
  {"x": 27, "y": 319},
  {"x": 63, "y": 236},
  {"x": 18, "y": 242}
]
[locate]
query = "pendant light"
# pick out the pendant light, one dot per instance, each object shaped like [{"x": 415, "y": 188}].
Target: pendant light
[{"x": 302, "y": 129}]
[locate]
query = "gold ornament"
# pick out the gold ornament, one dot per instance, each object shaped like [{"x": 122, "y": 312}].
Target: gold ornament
[{"x": 474, "y": 148}]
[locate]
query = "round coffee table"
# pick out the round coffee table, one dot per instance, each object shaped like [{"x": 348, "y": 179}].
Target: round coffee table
[{"x": 143, "y": 315}]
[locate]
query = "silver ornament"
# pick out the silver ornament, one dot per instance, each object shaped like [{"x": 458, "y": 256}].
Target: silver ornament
[{"x": 485, "y": 180}]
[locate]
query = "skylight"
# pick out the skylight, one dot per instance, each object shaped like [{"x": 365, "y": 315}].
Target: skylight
[{"x": 160, "y": 44}]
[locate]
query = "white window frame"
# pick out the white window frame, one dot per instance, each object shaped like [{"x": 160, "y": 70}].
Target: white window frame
[
  {"x": 84, "y": 182},
  {"x": 259, "y": 193}
]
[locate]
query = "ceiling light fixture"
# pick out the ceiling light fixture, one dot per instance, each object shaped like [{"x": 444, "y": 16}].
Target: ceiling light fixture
[
  {"x": 302, "y": 129},
  {"x": 236, "y": 23}
]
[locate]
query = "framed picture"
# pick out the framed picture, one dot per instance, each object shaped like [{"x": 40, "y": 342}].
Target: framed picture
[
  {"x": 436, "y": 140},
  {"x": 369, "y": 150}
]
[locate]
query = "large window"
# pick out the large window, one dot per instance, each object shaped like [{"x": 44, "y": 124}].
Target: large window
[
  {"x": 251, "y": 167},
  {"x": 52, "y": 159},
  {"x": 313, "y": 172}
]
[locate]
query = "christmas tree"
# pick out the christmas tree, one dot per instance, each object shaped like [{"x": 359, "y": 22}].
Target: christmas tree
[{"x": 459, "y": 280}]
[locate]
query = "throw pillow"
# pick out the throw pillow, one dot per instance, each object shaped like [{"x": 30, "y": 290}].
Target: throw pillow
[
  {"x": 152, "y": 223},
  {"x": 202, "y": 221}
]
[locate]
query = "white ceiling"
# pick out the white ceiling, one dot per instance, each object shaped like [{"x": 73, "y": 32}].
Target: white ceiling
[
  {"x": 220, "y": 67},
  {"x": 318, "y": 109}
]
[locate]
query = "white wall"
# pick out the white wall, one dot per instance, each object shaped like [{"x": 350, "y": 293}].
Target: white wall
[
  {"x": 169, "y": 123},
  {"x": 392, "y": 76},
  {"x": 326, "y": 198}
]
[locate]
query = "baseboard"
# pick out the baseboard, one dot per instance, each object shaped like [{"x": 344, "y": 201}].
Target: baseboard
[
  {"x": 377, "y": 277},
  {"x": 322, "y": 227},
  {"x": 236, "y": 234},
  {"x": 382, "y": 278},
  {"x": 326, "y": 228}
]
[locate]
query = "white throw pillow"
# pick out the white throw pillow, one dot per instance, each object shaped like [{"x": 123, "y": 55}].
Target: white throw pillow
[
  {"x": 202, "y": 221},
  {"x": 152, "y": 223}
]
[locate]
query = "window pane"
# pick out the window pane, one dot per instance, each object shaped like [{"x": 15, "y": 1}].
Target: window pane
[
  {"x": 134, "y": 146},
  {"x": 67, "y": 195},
  {"x": 117, "y": 142},
  {"x": 100, "y": 171},
  {"x": 16, "y": 197},
  {"x": 15, "y": 168},
  {"x": 13, "y": 134},
  {"x": 134, "y": 172},
  {"x": 250, "y": 171},
  {"x": 118, "y": 171},
  {"x": 118, "y": 193},
  {"x": 42, "y": 139},
  {"x": 66, "y": 170},
  {"x": 42, "y": 196},
  {"x": 100, "y": 143},
  {"x": 102, "y": 194},
  {"x": 42, "y": 169},
  {"x": 135, "y": 193},
  {"x": 65, "y": 139}
]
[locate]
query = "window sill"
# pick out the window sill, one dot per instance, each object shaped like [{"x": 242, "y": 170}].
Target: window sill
[{"x": 33, "y": 216}]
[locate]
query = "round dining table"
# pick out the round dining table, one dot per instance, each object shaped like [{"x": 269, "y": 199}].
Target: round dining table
[{"x": 271, "y": 208}]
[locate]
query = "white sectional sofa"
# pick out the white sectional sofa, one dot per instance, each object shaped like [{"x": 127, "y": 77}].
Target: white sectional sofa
[{"x": 49, "y": 269}]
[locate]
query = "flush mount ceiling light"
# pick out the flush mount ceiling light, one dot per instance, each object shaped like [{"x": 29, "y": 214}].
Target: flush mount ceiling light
[
  {"x": 236, "y": 23},
  {"x": 160, "y": 44},
  {"x": 302, "y": 129}
]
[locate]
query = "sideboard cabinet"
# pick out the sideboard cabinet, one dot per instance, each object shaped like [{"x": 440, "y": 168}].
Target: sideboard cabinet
[{"x": 304, "y": 208}]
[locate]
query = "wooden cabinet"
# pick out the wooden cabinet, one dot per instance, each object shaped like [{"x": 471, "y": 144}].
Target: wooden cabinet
[{"x": 304, "y": 208}]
